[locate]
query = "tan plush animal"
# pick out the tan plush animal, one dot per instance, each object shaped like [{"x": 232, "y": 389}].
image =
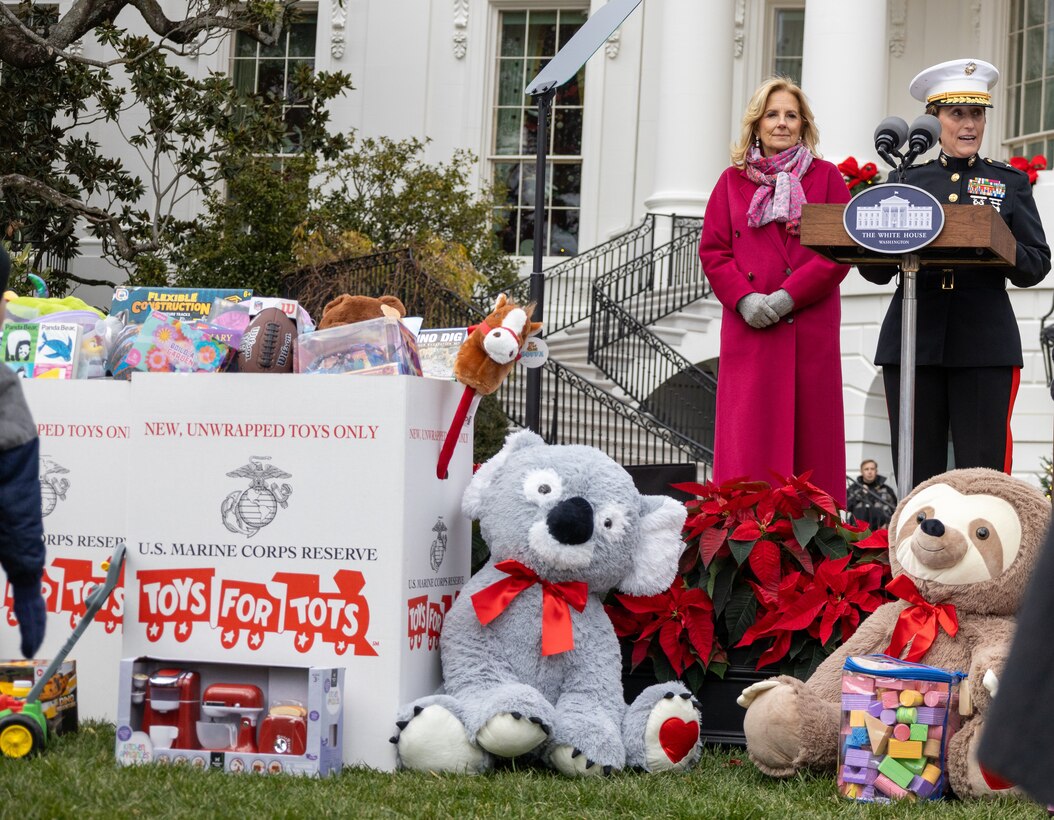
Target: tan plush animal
[
  {"x": 967, "y": 539},
  {"x": 347, "y": 309}
]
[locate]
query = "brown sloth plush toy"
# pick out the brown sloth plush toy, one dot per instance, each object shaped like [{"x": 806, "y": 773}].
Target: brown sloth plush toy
[{"x": 967, "y": 541}]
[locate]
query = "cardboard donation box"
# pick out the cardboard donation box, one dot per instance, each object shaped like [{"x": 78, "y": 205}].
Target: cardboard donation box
[
  {"x": 59, "y": 698},
  {"x": 277, "y": 519},
  {"x": 259, "y": 719},
  {"x": 84, "y": 464}
]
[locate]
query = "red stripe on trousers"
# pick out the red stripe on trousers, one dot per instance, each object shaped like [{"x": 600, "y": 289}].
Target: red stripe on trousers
[{"x": 1008, "y": 460}]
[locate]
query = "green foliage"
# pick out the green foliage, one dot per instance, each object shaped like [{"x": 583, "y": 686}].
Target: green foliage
[
  {"x": 244, "y": 239},
  {"x": 385, "y": 190},
  {"x": 189, "y": 134},
  {"x": 1046, "y": 475}
]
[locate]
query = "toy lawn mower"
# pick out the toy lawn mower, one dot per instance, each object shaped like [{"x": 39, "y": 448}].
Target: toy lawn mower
[{"x": 23, "y": 727}]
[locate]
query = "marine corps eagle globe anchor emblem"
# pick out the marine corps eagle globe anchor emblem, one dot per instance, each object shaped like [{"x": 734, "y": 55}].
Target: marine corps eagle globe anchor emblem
[{"x": 250, "y": 510}]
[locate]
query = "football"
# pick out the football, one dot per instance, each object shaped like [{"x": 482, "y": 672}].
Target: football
[{"x": 269, "y": 343}]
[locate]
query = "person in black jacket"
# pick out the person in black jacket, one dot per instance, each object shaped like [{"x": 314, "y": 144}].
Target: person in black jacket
[
  {"x": 870, "y": 500},
  {"x": 21, "y": 522},
  {"x": 968, "y": 347}
]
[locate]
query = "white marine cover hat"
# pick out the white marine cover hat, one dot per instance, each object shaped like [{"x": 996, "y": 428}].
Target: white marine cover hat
[{"x": 957, "y": 82}]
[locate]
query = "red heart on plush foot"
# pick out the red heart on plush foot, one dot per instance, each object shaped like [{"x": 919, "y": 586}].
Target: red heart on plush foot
[
  {"x": 678, "y": 738},
  {"x": 994, "y": 781}
]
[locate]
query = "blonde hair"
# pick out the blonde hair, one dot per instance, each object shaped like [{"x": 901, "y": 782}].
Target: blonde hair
[{"x": 756, "y": 110}]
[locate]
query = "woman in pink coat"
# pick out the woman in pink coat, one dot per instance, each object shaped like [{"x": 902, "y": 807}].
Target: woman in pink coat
[{"x": 779, "y": 388}]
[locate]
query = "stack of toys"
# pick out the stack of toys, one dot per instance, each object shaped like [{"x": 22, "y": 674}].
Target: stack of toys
[{"x": 897, "y": 719}]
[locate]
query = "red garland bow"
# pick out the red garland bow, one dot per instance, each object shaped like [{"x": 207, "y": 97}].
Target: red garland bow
[
  {"x": 557, "y": 633},
  {"x": 919, "y": 622}
]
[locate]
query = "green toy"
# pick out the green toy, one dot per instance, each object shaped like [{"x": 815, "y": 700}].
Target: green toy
[{"x": 23, "y": 728}]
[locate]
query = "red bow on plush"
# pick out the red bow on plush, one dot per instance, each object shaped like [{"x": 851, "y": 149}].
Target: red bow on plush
[
  {"x": 919, "y": 622},
  {"x": 557, "y": 600}
]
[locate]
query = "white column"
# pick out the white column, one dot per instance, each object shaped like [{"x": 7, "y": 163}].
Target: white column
[
  {"x": 694, "y": 104},
  {"x": 844, "y": 74}
]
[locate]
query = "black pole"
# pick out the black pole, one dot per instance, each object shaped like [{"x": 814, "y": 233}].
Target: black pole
[{"x": 534, "y": 375}]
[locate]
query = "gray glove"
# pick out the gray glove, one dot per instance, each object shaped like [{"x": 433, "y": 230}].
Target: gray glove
[
  {"x": 756, "y": 311},
  {"x": 781, "y": 302}
]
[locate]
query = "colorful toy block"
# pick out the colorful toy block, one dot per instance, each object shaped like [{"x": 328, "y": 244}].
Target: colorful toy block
[
  {"x": 895, "y": 771},
  {"x": 878, "y": 734},
  {"x": 908, "y": 714},
  {"x": 907, "y": 749},
  {"x": 856, "y": 718},
  {"x": 888, "y": 716},
  {"x": 902, "y": 731},
  {"x": 910, "y": 697},
  {"x": 850, "y": 702},
  {"x": 918, "y": 731},
  {"x": 932, "y": 748},
  {"x": 858, "y": 684},
  {"x": 931, "y": 773},
  {"x": 935, "y": 698},
  {"x": 859, "y": 738},
  {"x": 923, "y": 788},
  {"x": 929, "y": 715},
  {"x": 890, "y": 699},
  {"x": 852, "y": 774},
  {"x": 888, "y": 787}
]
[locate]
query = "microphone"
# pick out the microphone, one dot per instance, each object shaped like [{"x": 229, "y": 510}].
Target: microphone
[
  {"x": 889, "y": 136},
  {"x": 924, "y": 133}
]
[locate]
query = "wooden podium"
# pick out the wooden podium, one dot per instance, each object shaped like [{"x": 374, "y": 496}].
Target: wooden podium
[{"x": 970, "y": 236}]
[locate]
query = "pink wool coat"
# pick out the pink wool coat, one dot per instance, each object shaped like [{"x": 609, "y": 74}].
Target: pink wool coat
[{"x": 779, "y": 389}]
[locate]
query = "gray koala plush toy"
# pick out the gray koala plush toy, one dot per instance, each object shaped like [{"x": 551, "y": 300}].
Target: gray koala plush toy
[{"x": 531, "y": 664}]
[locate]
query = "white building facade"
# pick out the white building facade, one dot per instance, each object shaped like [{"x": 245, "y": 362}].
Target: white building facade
[{"x": 646, "y": 126}]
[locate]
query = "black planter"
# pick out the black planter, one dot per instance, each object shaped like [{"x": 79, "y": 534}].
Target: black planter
[{"x": 722, "y": 717}]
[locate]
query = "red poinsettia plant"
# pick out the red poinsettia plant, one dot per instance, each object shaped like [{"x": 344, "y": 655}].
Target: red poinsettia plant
[
  {"x": 858, "y": 177},
  {"x": 772, "y": 570},
  {"x": 1032, "y": 167}
]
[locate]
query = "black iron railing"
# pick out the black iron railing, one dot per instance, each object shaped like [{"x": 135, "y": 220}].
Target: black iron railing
[
  {"x": 573, "y": 411},
  {"x": 568, "y": 298},
  {"x": 662, "y": 281},
  {"x": 664, "y": 384}
]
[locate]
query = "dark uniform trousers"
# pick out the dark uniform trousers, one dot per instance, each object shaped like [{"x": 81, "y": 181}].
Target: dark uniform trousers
[{"x": 967, "y": 346}]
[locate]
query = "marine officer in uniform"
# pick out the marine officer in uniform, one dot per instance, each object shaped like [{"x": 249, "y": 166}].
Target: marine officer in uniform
[{"x": 968, "y": 347}]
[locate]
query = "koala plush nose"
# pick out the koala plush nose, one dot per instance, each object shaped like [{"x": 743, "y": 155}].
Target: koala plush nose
[
  {"x": 571, "y": 521},
  {"x": 933, "y": 527}
]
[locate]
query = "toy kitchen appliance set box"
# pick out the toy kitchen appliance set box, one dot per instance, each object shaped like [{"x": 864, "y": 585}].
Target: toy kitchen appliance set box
[{"x": 233, "y": 717}]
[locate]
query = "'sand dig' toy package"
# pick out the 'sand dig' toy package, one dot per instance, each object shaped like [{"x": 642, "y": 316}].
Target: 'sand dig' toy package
[{"x": 897, "y": 719}]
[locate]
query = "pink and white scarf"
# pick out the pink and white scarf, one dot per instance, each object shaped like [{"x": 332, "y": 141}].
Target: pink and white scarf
[{"x": 779, "y": 196}]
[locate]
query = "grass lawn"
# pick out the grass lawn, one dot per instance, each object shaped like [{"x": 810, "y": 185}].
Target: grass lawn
[{"x": 77, "y": 777}]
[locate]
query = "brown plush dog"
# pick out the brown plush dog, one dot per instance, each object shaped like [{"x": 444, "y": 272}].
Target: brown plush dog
[
  {"x": 968, "y": 538},
  {"x": 346, "y": 309}
]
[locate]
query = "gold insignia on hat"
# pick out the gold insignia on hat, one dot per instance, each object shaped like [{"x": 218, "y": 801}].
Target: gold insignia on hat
[{"x": 956, "y": 82}]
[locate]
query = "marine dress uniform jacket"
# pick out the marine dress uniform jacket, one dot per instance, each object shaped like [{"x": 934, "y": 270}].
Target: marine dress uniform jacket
[
  {"x": 779, "y": 393},
  {"x": 971, "y": 323}
]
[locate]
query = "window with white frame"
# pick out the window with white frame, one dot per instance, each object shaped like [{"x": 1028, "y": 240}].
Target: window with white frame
[
  {"x": 269, "y": 71},
  {"x": 1030, "y": 79},
  {"x": 788, "y": 37},
  {"x": 527, "y": 40}
]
